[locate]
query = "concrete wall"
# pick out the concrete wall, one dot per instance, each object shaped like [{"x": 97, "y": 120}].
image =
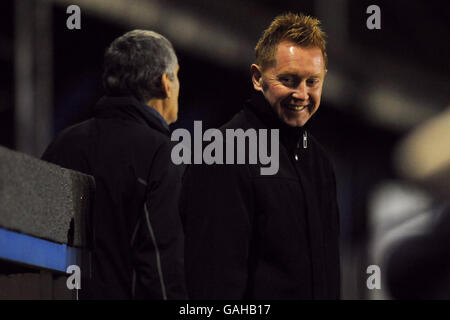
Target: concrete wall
[{"x": 46, "y": 202}]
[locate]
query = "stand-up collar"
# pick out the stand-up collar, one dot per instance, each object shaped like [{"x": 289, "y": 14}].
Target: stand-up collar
[
  {"x": 264, "y": 111},
  {"x": 130, "y": 108}
]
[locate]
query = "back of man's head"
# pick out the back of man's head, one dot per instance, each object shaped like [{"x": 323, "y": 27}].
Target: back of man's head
[
  {"x": 300, "y": 29},
  {"x": 135, "y": 62}
]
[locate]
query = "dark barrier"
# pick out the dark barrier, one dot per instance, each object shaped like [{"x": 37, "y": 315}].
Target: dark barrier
[{"x": 43, "y": 227}]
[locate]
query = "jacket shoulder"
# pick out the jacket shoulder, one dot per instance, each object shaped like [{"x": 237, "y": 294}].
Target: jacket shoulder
[
  {"x": 144, "y": 135},
  {"x": 241, "y": 120}
]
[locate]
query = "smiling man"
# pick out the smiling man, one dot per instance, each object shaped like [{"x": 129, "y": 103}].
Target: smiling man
[
  {"x": 250, "y": 236},
  {"x": 292, "y": 83}
]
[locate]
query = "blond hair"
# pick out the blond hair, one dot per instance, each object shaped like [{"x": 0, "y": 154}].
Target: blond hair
[{"x": 300, "y": 29}]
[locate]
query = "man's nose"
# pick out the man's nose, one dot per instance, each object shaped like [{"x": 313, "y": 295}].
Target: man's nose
[{"x": 300, "y": 92}]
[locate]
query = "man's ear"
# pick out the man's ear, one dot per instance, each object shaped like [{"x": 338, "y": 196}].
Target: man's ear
[
  {"x": 165, "y": 85},
  {"x": 256, "y": 77}
]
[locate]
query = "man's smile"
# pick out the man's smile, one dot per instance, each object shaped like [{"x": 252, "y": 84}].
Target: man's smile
[{"x": 296, "y": 107}]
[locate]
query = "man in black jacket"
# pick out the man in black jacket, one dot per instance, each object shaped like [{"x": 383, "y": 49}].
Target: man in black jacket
[
  {"x": 137, "y": 234},
  {"x": 253, "y": 236}
]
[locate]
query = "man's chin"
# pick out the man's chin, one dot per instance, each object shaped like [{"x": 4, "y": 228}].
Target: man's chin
[
  {"x": 295, "y": 122},
  {"x": 295, "y": 118}
]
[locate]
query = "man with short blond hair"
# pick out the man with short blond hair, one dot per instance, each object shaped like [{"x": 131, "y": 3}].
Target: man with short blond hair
[{"x": 250, "y": 236}]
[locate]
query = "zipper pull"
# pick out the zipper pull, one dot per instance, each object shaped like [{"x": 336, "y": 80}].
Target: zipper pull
[{"x": 305, "y": 140}]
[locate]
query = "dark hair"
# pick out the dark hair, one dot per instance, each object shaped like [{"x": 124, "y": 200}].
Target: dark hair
[{"x": 135, "y": 62}]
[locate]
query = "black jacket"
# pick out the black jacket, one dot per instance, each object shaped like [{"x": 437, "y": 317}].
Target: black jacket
[
  {"x": 138, "y": 238},
  {"x": 249, "y": 236}
]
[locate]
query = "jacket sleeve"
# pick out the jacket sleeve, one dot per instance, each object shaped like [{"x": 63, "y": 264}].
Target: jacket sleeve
[
  {"x": 158, "y": 246},
  {"x": 216, "y": 208}
]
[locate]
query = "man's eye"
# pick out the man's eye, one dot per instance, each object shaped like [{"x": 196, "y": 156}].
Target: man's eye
[
  {"x": 287, "y": 81},
  {"x": 312, "y": 82}
]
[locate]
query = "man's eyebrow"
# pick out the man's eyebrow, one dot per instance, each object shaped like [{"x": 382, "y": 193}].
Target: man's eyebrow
[
  {"x": 295, "y": 74},
  {"x": 291, "y": 74},
  {"x": 313, "y": 75}
]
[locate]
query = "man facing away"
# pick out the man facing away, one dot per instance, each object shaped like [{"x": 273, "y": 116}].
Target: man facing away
[
  {"x": 253, "y": 236},
  {"x": 137, "y": 234}
]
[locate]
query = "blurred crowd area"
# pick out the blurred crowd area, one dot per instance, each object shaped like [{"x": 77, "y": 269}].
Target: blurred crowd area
[{"x": 384, "y": 117}]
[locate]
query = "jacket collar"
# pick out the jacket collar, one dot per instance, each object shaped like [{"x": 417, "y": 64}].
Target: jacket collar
[
  {"x": 291, "y": 136},
  {"x": 128, "y": 107}
]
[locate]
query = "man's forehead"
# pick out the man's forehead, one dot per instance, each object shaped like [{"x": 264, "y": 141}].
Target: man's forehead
[{"x": 289, "y": 53}]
